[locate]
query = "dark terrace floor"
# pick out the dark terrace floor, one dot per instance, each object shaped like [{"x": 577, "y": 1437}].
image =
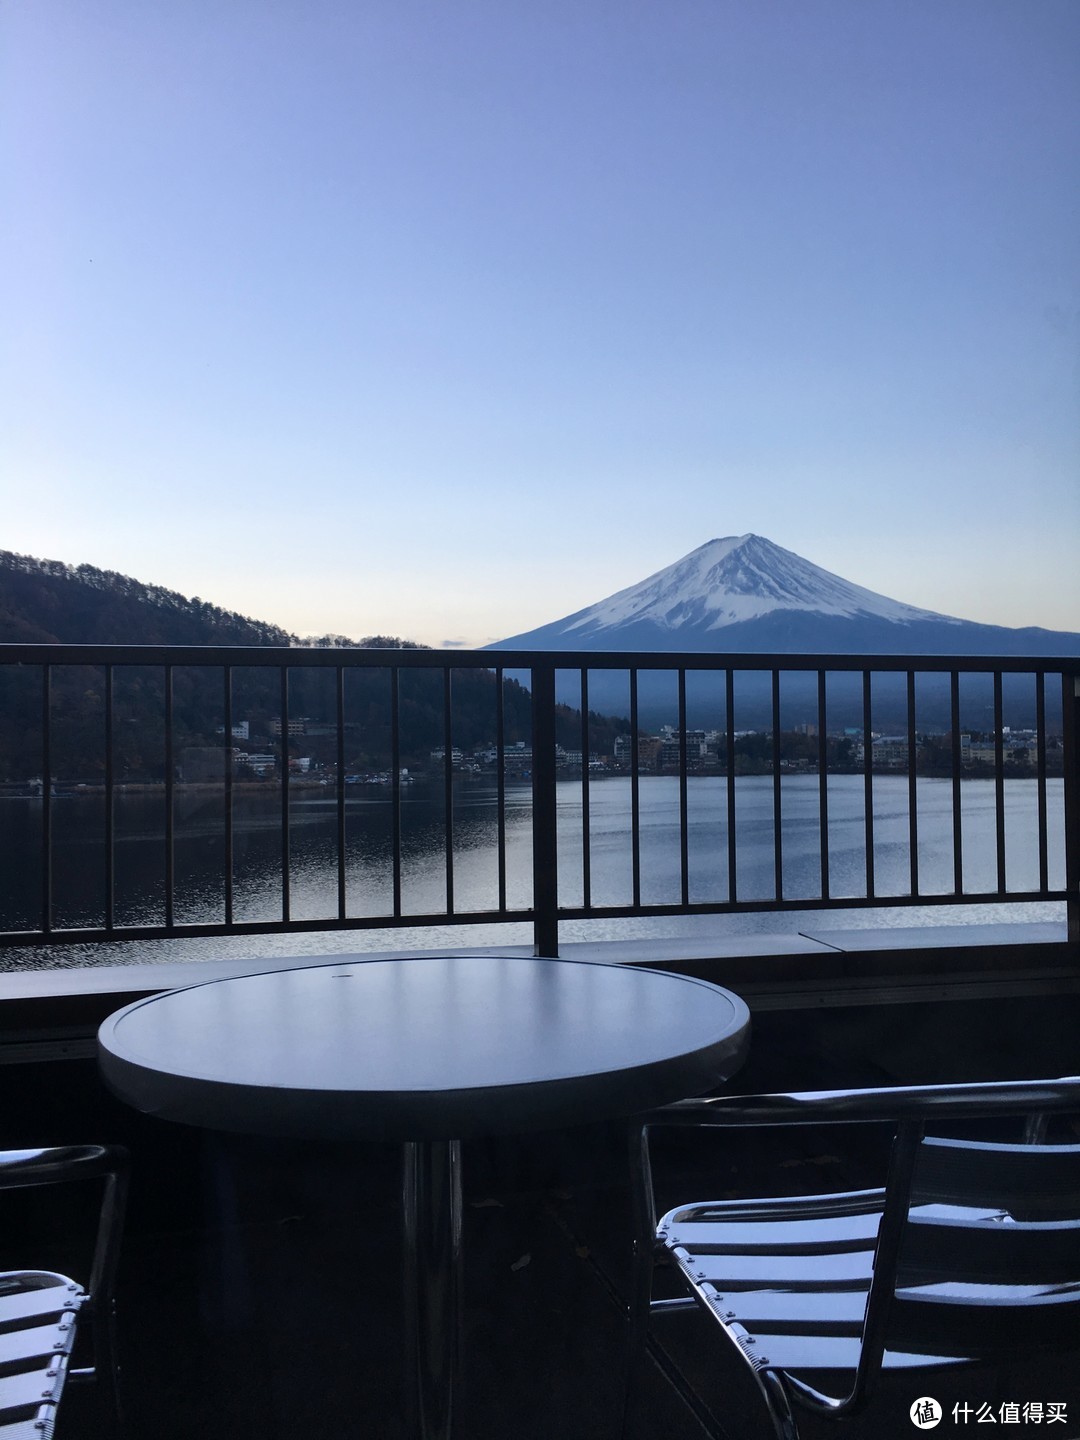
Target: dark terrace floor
[{"x": 260, "y": 1293}]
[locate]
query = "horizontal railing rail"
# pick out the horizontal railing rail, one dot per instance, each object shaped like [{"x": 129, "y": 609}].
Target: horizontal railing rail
[
  {"x": 421, "y": 658},
  {"x": 241, "y": 737}
]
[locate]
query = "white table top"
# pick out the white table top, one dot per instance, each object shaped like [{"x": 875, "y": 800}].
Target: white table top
[{"x": 444, "y": 1047}]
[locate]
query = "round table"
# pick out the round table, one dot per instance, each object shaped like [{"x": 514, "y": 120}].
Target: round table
[{"x": 428, "y": 1051}]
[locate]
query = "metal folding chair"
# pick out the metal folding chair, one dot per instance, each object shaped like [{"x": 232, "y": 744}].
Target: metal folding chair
[
  {"x": 969, "y": 1253},
  {"x": 42, "y": 1313}
]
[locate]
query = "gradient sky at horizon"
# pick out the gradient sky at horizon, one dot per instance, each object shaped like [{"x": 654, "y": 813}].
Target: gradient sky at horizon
[{"x": 445, "y": 321}]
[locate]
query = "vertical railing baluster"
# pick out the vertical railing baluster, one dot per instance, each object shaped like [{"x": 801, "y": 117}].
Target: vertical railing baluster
[
  {"x": 586, "y": 817},
  {"x": 912, "y": 789},
  {"x": 635, "y": 792},
  {"x": 339, "y": 716},
  {"x": 958, "y": 830},
  {"x": 868, "y": 783},
  {"x": 110, "y": 837},
  {"x": 286, "y": 898},
  {"x": 46, "y": 800},
  {"x": 395, "y": 784},
  {"x": 227, "y": 678},
  {"x": 778, "y": 833},
  {"x": 500, "y": 783},
  {"x": 729, "y": 706},
  {"x": 544, "y": 814},
  {"x": 1040, "y": 762},
  {"x": 823, "y": 786},
  {"x": 170, "y": 777},
  {"x": 999, "y": 783},
  {"x": 1070, "y": 739},
  {"x": 684, "y": 808},
  {"x": 448, "y": 789}
]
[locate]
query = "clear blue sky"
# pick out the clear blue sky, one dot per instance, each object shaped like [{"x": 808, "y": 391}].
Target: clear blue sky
[{"x": 447, "y": 319}]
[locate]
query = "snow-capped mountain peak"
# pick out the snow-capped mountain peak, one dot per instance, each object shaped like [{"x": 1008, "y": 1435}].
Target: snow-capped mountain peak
[
  {"x": 743, "y": 595},
  {"x": 738, "y": 578}
]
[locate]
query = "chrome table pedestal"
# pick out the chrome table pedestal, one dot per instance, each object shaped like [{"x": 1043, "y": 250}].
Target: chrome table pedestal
[{"x": 432, "y": 1214}]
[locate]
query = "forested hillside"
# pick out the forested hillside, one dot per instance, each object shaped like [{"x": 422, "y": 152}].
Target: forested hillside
[{"x": 48, "y": 602}]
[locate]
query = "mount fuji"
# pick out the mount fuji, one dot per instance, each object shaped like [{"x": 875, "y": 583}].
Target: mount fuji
[{"x": 743, "y": 594}]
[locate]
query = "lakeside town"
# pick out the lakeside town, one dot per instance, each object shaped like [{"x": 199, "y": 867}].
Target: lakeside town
[
  {"x": 256, "y": 758},
  {"x": 660, "y": 753}
]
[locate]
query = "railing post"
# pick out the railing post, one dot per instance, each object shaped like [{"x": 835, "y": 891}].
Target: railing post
[
  {"x": 544, "y": 832},
  {"x": 1070, "y": 739}
]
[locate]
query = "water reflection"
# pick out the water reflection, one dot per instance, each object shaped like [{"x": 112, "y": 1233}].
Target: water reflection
[{"x": 78, "y": 872}]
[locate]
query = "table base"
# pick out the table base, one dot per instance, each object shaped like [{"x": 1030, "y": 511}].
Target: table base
[{"x": 431, "y": 1209}]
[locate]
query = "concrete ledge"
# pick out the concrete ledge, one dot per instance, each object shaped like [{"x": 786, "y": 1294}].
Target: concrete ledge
[
  {"x": 146, "y": 979},
  {"x": 940, "y": 937},
  {"x": 56, "y": 1013}
]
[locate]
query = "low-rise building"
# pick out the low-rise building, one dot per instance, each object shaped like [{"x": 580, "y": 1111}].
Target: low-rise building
[
  {"x": 890, "y": 751},
  {"x": 256, "y": 764}
]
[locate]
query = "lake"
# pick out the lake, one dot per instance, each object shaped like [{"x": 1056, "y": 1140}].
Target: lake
[{"x": 79, "y": 874}]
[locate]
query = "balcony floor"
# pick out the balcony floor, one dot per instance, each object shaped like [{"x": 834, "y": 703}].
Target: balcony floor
[{"x": 260, "y": 1292}]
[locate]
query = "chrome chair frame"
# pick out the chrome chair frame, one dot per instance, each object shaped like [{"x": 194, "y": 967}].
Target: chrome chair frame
[
  {"x": 58, "y": 1305},
  {"x": 909, "y": 1108}
]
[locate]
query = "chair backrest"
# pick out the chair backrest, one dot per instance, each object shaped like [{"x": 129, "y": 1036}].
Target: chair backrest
[
  {"x": 977, "y": 1249},
  {"x": 990, "y": 1257},
  {"x": 1039, "y": 1180}
]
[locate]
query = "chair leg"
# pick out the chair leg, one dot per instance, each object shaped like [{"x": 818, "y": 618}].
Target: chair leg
[
  {"x": 640, "y": 1297},
  {"x": 107, "y": 1367},
  {"x": 779, "y": 1405},
  {"x": 643, "y": 1215}
]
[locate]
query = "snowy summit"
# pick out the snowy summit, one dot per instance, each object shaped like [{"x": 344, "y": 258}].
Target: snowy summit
[{"x": 742, "y": 577}]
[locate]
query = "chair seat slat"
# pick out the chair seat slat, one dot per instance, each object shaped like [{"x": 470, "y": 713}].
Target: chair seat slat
[
  {"x": 23, "y": 1295},
  {"x": 834, "y": 1312},
  {"x": 37, "y": 1427},
  {"x": 39, "y": 1386},
  {"x": 37, "y": 1342},
  {"x": 797, "y": 1353},
  {"x": 843, "y": 1271},
  {"x": 830, "y": 1233}
]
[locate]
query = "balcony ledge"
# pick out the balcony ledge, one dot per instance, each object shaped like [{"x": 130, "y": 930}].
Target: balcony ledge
[{"x": 54, "y": 1014}]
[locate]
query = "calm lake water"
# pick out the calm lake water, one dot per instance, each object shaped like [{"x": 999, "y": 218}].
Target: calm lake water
[{"x": 78, "y": 869}]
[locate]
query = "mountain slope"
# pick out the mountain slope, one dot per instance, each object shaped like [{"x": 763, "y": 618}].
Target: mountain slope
[
  {"x": 47, "y": 602},
  {"x": 743, "y": 594}
]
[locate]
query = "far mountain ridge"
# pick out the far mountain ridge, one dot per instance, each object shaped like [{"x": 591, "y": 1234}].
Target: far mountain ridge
[{"x": 48, "y": 602}]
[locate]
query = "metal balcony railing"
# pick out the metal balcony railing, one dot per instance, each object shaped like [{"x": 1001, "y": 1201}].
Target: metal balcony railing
[{"x": 97, "y": 721}]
